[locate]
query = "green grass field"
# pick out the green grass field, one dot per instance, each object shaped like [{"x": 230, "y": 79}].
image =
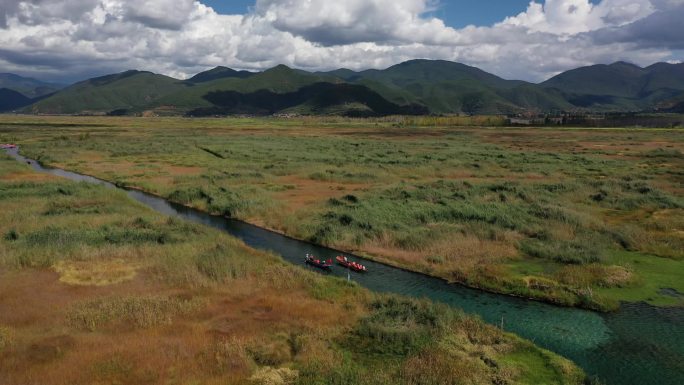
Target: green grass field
[
  {"x": 561, "y": 215},
  {"x": 96, "y": 288}
]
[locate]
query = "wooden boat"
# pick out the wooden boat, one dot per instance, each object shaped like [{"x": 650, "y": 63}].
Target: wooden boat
[
  {"x": 357, "y": 267},
  {"x": 315, "y": 262},
  {"x": 8, "y": 146}
]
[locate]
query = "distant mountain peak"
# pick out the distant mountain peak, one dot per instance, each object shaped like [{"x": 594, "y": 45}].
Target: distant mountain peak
[
  {"x": 279, "y": 68},
  {"x": 107, "y": 79},
  {"x": 624, "y": 64},
  {"x": 29, "y": 87},
  {"x": 430, "y": 62},
  {"x": 661, "y": 64},
  {"x": 219, "y": 72}
]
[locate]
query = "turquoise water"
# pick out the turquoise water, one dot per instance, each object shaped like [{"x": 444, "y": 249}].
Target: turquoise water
[{"x": 639, "y": 345}]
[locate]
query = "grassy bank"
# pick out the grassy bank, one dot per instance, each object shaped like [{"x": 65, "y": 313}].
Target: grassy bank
[
  {"x": 95, "y": 288},
  {"x": 575, "y": 217}
]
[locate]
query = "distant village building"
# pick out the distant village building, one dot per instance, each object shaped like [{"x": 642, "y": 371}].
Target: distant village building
[
  {"x": 555, "y": 120},
  {"x": 526, "y": 121}
]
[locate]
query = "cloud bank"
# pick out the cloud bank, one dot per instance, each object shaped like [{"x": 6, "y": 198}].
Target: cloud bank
[{"x": 81, "y": 38}]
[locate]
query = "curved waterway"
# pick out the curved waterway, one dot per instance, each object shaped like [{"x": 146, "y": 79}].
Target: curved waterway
[{"x": 638, "y": 345}]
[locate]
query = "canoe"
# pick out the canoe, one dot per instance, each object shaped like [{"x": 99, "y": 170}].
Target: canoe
[
  {"x": 313, "y": 261},
  {"x": 355, "y": 266}
]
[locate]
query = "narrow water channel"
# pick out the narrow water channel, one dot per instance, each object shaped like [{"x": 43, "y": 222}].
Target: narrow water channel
[{"x": 639, "y": 345}]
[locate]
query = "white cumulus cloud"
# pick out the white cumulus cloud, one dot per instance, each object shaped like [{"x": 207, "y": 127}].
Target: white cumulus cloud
[
  {"x": 78, "y": 38},
  {"x": 575, "y": 16}
]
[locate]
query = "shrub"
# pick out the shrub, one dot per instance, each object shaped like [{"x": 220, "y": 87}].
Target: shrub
[
  {"x": 325, "y": 234},
  {"x": 572, "y": 252},
  {"x": 270, "y": 354},
  {"x": 12, "y": 235},
  {"x": 331, "y": 290},
  {"x": 136, "y": 236},
  {"x": 67, "y": 206},
  {"x": 218, "y": 265},
  {"x": 119, "y": 234},
  {"x": 189, "y": 195},
  {"x": 435, "y": 259},
  {"x": 399, "y": 326},
  {"x": 229, "y": 203},
  {"x": 335, "y": 202},
  {"x": 346, "y": 220}
]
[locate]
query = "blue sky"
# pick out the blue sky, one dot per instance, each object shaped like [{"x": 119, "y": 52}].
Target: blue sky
[{"x": 455, "y": 13}]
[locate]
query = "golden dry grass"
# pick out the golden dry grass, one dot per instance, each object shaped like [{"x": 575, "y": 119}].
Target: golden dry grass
[{"x": 96, "y": 272}]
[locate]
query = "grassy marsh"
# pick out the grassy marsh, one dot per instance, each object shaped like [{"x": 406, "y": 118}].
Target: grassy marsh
[
  {"x": 539, "y": 213},
  {"x": 197, "y": 306}
]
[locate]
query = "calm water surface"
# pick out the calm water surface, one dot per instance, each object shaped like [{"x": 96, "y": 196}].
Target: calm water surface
[{"x": 638, "y": 345}]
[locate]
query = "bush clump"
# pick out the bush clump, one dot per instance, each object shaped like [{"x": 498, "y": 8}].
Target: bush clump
[
  {"x": 399, "y": 326},
  {"x": 578, "y": 251},
  {"x": 136, "y": 232},
  {"x": 219, "y": 266},
  {"x": 11, "y": 235},
  {"x": 189, "y": 195}
]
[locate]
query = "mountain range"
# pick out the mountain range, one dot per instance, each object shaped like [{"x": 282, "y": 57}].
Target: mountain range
[{"x": 413, "y": 87}]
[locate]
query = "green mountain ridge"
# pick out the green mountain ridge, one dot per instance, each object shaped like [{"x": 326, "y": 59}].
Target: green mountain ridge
[
  {"x": 219, "y": 72},
  {"x": 124, "y": 91},
  {"x": 442, "y": 86},
  {"x": 425, "y": 86},
  {"x": 319, "y": 98},
  {"x": 280, "y": 79},
  {"x": 619, "y": 86}
]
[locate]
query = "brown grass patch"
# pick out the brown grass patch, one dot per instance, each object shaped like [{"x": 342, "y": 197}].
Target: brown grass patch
[
  {"x": 36, "y": 297},
  {"x": 441, "y": 368},
  {"x": 184, "y": 170},
  {"x": 49, "y": 349},
  {"x": 271, "y": 376},
  {"x": 308, "y": 192},
  {"x": 208, "y": 345},
  {"x": 462, "y": 252},
  {"x": 6, "y": 337},
  {"x": 276, "y": 311},
  {"x": 27, "y": 177},
  {"x": 595, "y": 275},
  {"x": 96, "y": 272}
]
